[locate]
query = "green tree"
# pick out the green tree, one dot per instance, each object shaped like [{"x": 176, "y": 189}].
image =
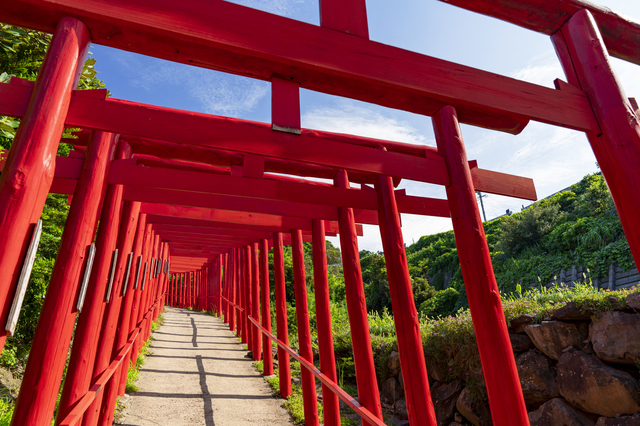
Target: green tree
[{"x": 21, "y": 54}]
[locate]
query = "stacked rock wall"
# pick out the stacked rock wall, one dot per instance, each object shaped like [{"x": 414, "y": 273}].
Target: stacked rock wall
[{"x": 576, "y": 368}]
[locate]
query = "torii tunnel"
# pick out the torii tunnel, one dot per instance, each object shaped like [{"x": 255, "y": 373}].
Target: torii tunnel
[{"x": 189, "y": 204}]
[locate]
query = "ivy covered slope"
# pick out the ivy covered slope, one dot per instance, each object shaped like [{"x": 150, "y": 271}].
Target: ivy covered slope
[
  {"x": 21, "y": 55},
  {"x": 579, "y": 227}
]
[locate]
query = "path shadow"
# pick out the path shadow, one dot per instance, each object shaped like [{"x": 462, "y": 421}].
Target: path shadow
[{"x": 208, "y": 406}]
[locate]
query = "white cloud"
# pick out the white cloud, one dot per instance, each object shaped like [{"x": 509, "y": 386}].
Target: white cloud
[
  {"x": 355, "y": 120},
  {"x": 217, "y": 92},
  {"x": 286, "y": 8}
]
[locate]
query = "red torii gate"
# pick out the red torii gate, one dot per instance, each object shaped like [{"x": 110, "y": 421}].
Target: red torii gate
[{"x": 241, "y": 40}]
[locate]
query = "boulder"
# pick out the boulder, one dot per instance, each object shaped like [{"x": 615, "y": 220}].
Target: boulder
[
  {"x": 551, "y": 337},
  {"x": 518, "y": 324},
  {"x": 571, "y": 312},
  {"x": 401, "y": 380},
  {"x": 520, "y": 342},
  {"x": 475, "y": 412},
  {"x": 619, "y": 421},
  {"x": 445, "y": 396},
  {"x": 633, "y": 300},
  {"x": 587, "y": 383},
  {"x": 557, "y": 412},
  {"x": 393, "y": 364},
  {"x": 616, "y": 303},
  {"x": 435, "y": 371},
  {"x": 400, "y": 408},
  {"x": 537, "y": 377},
  {"x": 615, "y": 337},
  {"x": 391, "y": 391}
]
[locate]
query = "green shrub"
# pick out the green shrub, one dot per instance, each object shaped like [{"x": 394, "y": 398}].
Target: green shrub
[{"x": 442, "y": 304}]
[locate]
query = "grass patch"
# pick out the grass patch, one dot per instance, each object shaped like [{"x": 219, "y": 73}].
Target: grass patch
[
  {"x": 295, "y": 406},
  {"x": 6, "y": 412}
]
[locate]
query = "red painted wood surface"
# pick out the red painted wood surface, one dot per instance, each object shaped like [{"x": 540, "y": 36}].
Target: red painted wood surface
[
  {"x": 76, "y": 415},
  {"x": 285, "y": 105},
  {"x": 617, "y": 149},
  {"x": 231, "y": 203},
  {"x": 284, "y": 369},
  {"x": 138, "y": 303},
  {"x": 41, "y": 381},
  {"x": 125, "y": 325},
  {"x": 347, "y": 16},
  {"x": 255, "y": 300},
  {"x": 197, "y": 217},
  {"x": 89, "y": 324},
  {"x": 405, "y": 316},
  {"x": 330, "y": 401},
  {"x": 244, "y": 41},
  {"x": 257, "y": 138},
  {"x": 248, "y": 272},
  {"x": 349, "y": 400},
  {"x": 265, "y": 295},
  {"x": 218, "y": 283},
  {"x": 232, "y": 286},
  {"x": 309, "y": 396},
  {"x": 29, "y": 168},
  {"x": 368, "y": 393},
  {"x": 620, "y": 33},
  {"x": 496, "y": 354},
  {"x": 295, "y": 190}
]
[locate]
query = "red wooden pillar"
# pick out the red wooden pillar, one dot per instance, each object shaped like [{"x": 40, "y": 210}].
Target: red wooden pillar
[
  {"x": 110, "y": 339},
  {"x": 136, "y": 312},
  {"x": 174, "y": 290},
  {"x": 189, "y": 290},
  {"x": 309, "y": 396},
  {"x": 232, "y": 287},
  {"x": 405, "y": 316},
  {"x": 368, "y": 393},
  {"x": 330, "y": 401},
  {"x": 284, "y": 368},
  {"x": 585, "y": 60},
  {"x": 148, "y": 289},
  {"x": 225, "y": 287},
  {"x": 126, "y": 323},
  {"x": 183, "y": 290},
  {"x": 266, "y": 307},
  {"x": 247, "y": 295},
  {"x": 241, "y": 293},
  {"x": 255, "y": 301},
  {"x": 218, "y": 284},
  {"x": 28, "y": 171},
  {"x": 88, "y": 327},
  {"x": 48, "y": 355},
  {"x": 496, "y": 355}
]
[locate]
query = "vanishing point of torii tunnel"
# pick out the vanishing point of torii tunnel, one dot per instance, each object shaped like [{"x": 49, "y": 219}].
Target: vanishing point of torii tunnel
[{"x": 189, "y": 204}]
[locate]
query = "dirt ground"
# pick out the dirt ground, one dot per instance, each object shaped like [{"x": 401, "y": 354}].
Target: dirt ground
[{"x": 198, "y": 375}]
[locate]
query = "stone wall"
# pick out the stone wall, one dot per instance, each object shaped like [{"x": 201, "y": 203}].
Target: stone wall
[{"x": 576, "y": 368}]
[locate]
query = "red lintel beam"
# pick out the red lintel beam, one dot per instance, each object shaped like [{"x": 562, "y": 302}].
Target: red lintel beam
[
  {"x": 621, "y": 34},
  {"x": 227, "y": 216},
  {"x": 230, "y": 203},
  {"x": 213, "y": 157},
  {"x": 232, "y": 38},
  {"x": 248, "y": 137},
  {"x": 171, "y": 218},
  {"x": 161, "y": 228}
]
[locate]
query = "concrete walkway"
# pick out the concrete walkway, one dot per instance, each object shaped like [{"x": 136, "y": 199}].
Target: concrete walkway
[{"x": 198, "y": 375}]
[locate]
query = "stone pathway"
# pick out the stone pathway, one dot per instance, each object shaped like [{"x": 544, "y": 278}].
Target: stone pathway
[{"x": 198, "y": 375}]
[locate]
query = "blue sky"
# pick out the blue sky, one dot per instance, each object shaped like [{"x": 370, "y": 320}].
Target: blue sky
[{"x": 555, "y": 158}]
